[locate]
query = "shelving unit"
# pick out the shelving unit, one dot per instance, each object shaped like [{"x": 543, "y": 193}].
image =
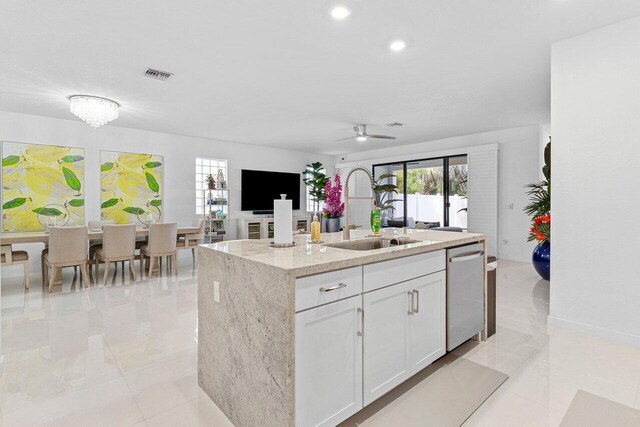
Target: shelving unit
[{"x": 215, "y": 202}]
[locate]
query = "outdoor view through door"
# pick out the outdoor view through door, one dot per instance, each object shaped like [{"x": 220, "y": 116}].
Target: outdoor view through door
[{"x": 430, "y": 191}]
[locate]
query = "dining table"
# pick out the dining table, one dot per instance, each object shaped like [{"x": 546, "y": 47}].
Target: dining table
[
  {"x": 20, "y": 237},
  {"x": 10, "y": 238}
]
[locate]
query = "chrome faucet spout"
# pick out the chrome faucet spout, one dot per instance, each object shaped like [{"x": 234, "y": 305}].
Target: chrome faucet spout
[{"x": 346, "y": 231}]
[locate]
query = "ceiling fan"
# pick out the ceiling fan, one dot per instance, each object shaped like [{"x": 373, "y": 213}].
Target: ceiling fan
[{"x": 362, "y": 135}]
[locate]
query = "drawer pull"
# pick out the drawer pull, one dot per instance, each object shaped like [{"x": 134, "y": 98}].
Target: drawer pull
[{"x": 334, "y": 288}]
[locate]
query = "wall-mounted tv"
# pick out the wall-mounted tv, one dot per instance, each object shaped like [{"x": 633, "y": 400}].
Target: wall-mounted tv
[{"x": 261, "y": 188}]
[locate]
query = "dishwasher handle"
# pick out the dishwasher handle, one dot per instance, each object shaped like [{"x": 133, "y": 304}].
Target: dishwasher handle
[{"x": 466, "y": 257}]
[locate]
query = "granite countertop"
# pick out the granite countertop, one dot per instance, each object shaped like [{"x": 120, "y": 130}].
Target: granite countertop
[{"x": 306, "y": 258}]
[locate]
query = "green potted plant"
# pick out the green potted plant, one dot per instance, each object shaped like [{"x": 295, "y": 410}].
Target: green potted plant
[
  {"x": 315, "y": 179},
  {"x": 539, "y": 209},
  {"x": 384, "y": 191}
]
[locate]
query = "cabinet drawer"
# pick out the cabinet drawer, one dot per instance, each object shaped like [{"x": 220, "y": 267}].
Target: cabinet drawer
[
  {"x": 323, "y": 288},
  {"x": 399, "y": 270}
]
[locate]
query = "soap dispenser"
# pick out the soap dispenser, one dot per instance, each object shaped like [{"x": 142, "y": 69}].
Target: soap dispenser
[{"x": 315, "y": 229}]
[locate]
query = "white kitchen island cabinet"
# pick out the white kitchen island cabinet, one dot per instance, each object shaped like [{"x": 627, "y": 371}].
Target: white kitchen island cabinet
[{"x": 329, "y": 363}]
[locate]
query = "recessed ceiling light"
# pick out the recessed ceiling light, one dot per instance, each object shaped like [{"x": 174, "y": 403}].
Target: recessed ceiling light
[
  {"x": 361, "y": 138},
  {"x": 340, "y": 12},
  {"x": 397, "y": 45}
]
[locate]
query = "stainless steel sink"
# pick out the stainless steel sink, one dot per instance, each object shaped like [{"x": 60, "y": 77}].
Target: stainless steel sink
[{"x": 371, "y": 244}]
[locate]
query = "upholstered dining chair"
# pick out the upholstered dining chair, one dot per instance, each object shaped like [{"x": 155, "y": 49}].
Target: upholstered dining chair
[
  {"x": 162, "y": 242},
  {"x": 191, "y": 241},
  {"x": 118, "y": 244},
  {"x": 94, "y": 245},
  {"x": 67, "y": 248},
  {"x": 9, "y": 257}
]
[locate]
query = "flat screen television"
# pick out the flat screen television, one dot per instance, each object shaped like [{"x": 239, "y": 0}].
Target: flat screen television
[{"x": 261, "y": 188}]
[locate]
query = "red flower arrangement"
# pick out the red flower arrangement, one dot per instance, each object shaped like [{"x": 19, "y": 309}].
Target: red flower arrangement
[
  {"x": 541, "y": 228},
  {"x": 333, "y": 205}
]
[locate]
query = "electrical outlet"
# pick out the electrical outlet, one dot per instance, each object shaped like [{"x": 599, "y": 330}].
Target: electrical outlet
[
  {"x": 505, "y": 242},
  {"x": 216, "y": 291}
]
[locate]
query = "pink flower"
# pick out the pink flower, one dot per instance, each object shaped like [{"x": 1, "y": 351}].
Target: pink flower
[{"x": 333, "y": 206}]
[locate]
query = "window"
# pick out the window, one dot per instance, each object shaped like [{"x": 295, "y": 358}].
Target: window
[
  {"x": 204, "y": 168},
  {"x": 311, "y": 205},
  {"x": 433, "y": 191}
]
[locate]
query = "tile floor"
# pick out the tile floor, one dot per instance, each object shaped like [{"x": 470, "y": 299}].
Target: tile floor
[{"x": 125, "y": 355}]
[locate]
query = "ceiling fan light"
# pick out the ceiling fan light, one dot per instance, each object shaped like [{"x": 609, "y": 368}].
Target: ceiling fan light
[
  {"x": 93, "y": 110},
  {"x": 340, "y": 12},
  {"x": 361, "y": 138}
]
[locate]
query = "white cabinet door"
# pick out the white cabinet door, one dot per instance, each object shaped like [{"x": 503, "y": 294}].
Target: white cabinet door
[
  {"x": 428, "y": 327},
  {"x": 329, "y": 363},
  {"x": 387, "y": 360}
]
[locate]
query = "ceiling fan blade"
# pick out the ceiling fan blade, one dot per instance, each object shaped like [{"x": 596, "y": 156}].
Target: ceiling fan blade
[
  {"x": 381, "y": 136},
  {"x": 344, "y": 139}
]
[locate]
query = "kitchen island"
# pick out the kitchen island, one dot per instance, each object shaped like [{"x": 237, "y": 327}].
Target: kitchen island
[{"x": 310, "y": 335}]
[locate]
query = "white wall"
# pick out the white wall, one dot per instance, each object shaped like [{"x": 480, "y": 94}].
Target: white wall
[
  {"x": 595, "y": 111},
  {"x": 518, "y": 164},
  {"x": 179, "y": 156}
]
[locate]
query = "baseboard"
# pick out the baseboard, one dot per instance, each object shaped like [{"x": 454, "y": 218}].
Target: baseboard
[{"x": 609, "y": 334}]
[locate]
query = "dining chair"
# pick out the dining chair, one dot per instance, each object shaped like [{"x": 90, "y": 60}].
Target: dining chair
[
  {"x": 96, "y": 244},
  {"x": 191, "y": 241},
  {"x": 67, "y": 248},
  {"x": 162, "y": 242},
  {"x": 9, "y": 257},
  {"x": 118, "y": 244}
]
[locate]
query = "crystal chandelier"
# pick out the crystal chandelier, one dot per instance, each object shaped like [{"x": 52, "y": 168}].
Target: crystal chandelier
[{"x": 93, "y": 110}]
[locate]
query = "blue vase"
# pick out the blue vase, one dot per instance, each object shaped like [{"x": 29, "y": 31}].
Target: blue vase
[{"x": 542, "y": 259}]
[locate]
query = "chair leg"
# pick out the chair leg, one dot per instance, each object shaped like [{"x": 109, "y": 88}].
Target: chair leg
[
  {"x": 106, "y": 270},
  {"x": 151, "y": 258},
  {"x": 52, "y": 277},
  {"x": 85, "y": 275},
  {"x": 97, "y": 264},
  {"x": 160, "y": 266},
  {"x": 193, "y": 254},
  {"x": 169, "y": 265},
  {"x": 26, "y": 274},
  {"x": 133, "y": 270},
  {"x": 141, "y": 266},
  {"x": 44, "y": 274},
  {"x": 174, "y": 262}
]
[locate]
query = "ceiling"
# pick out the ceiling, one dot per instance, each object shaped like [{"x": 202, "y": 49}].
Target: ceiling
[{"x": 282, "y": 73}]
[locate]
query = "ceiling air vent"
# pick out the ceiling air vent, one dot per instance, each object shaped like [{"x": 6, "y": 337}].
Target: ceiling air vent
[
  {"x": 157, "y": 74},
  {"x": 395, "y": 124}
]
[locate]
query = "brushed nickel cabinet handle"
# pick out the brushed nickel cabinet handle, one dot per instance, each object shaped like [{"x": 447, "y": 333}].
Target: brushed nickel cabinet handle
[
  {"x": 410, "y": 293},
  {"x": 361, "y": 331},
  {"x": 417, "y": 294},
  {"x": 334, "y": 288}
]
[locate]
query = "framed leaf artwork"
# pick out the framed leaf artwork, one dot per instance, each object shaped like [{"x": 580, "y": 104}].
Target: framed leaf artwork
[
  {"x": 41, "y": 184},
  {"x": 131, "y": 186}
]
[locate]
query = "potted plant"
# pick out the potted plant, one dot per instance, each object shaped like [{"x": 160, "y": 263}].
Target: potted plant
[
  {"x": 539, "y": 208},
  {"x": 315, "y": 179},
  {"x": 384, "y": 193},
  {"x": 333, "y": 205},
  {"x": 211, "y": 183}
]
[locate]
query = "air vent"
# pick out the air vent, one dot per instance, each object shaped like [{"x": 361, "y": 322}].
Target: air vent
[
  {"x": 395, "y": 124},
  {"x": 157, "y": 74}
]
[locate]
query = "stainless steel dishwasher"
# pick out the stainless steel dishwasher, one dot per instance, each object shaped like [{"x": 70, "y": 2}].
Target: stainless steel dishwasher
[{"x": 465, "y": 293}]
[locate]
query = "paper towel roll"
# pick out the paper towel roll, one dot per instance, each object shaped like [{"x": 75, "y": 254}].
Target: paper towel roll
[{"x": 282, "y": 221}]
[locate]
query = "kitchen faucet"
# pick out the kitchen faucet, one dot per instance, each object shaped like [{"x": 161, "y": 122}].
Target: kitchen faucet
[{"x": 347, "y": 228}]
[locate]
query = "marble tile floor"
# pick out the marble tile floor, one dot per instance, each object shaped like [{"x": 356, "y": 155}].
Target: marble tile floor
[{"x": 125, "y": 355}]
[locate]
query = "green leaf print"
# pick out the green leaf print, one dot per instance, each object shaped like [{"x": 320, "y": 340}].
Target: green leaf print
[
  {"x": 155, "y": 202},
  {"x": 107, "y": 166},
  {"x": 18, "y": 201},
  {"x": 47, "y": 211},
  {"x": 72, "y": 180},
  {"x": 108, "y": 203},
  {"x": 76, "y": 203},
  {"x": 151, "y": 165},
  {"x": 10, "y": 160},
  {"x": 151, "y": 181},
  {"x": 70, "y": 159},
  {"x": 133, "y": 210}
]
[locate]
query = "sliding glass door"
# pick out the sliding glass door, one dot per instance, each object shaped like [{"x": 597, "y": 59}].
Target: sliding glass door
[{"x": 431, "y": 191}]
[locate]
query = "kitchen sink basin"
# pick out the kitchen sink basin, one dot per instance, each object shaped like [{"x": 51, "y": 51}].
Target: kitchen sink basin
[{"x": 371, "y": 244}]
